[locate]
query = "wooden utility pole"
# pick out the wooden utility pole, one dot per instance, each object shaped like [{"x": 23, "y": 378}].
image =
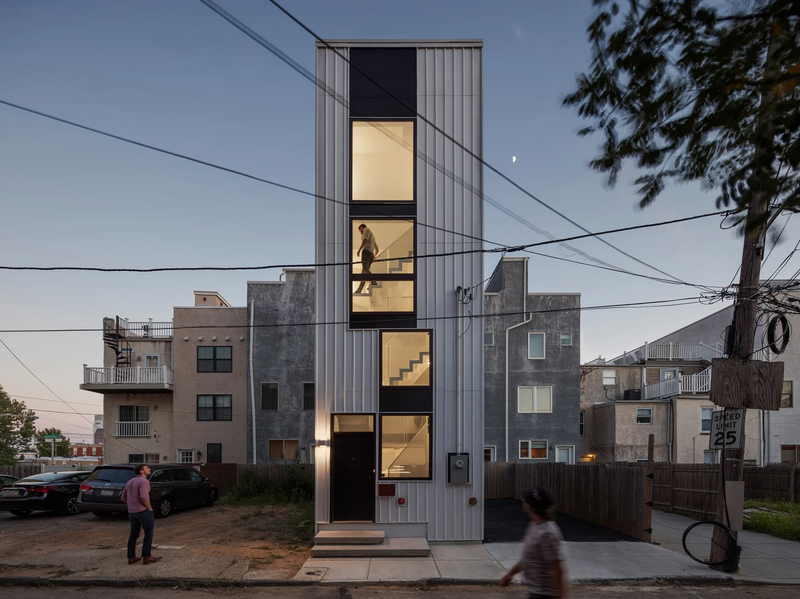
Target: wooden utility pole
[{"x": 745, "y": 310}]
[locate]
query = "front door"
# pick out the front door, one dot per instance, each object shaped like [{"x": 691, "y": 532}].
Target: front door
[{"x": 353, "y": 468}]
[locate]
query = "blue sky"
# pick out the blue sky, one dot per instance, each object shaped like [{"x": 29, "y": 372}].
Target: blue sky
[{"x": 174, "y": 74}]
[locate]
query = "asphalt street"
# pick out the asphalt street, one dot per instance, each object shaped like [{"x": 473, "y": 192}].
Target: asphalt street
[{"x": 388, "y": 592}]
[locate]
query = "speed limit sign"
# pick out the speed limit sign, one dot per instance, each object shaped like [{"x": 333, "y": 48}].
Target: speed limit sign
[{"x": 726, "y": 429}]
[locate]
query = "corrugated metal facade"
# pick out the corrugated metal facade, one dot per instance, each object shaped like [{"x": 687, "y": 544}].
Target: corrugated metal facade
[{"x": 449, "y": 197}]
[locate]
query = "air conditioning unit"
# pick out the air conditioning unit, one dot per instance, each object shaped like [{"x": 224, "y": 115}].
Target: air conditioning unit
[{"x": 632, "y": 394}]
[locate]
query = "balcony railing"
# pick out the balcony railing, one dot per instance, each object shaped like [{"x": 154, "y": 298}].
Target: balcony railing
[
  {"x": 150, "y": 328},
  {"x": 690, "y": 383},
  {"x": 670, "y": 351},
  {"x": 126, "y": 375},
  {"x": 133, "y": 429}
]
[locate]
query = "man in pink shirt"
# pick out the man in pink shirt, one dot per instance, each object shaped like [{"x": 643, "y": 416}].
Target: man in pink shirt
[{"x": 137, "y": 495}]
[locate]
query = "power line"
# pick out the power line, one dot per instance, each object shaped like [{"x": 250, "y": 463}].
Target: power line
[
  {"x": 507, "y": 249},
  {"x": 263, "y": 42},
  {"x": 650, "y": 304},
  {"x": 75, "y": 403}
]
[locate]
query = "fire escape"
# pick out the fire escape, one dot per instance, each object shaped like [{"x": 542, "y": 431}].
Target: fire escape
[{"x": 114, "y": 337}]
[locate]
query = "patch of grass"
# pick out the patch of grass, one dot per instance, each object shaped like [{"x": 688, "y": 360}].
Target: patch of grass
[
  {"x": 783, "y": 522},
  {"x": 290, "y": 485}
]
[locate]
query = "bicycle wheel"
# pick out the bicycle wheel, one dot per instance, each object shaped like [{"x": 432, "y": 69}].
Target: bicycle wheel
[{"x": 698, "y": 542}]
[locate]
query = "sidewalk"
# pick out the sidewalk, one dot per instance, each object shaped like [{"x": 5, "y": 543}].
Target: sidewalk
[{"x": 764, "y": 558}]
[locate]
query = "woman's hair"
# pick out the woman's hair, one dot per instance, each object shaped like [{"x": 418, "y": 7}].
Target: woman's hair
[{"x": 540, "y": 502}]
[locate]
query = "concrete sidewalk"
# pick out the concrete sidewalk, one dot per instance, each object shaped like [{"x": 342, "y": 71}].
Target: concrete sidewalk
[
  {"x": 764, "y": 558},
  {"x": 586, "y": 563}
]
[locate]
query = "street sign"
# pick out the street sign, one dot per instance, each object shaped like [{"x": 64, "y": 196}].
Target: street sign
[
  {"x": 57, "y": 437},
  {"x": 726, "y": 429}
]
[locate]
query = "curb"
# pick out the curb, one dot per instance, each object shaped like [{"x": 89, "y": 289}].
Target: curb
[{"x": 429, "y": 582}]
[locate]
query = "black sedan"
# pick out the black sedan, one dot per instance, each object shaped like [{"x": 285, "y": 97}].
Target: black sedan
[
  {"x": 172, "y": 487},
  {"x": 49, "y": 491}
]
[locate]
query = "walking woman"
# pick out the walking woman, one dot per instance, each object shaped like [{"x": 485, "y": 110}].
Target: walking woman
[{"x": 542, "y": 559}]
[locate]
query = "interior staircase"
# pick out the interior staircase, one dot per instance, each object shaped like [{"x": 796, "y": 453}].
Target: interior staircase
[
  {"x": 367, "y": 543},
  {"x": 413, "y": 368}
]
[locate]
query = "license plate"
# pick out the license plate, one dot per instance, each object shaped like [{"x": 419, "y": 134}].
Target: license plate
[
  {"x": 11, "y": 493},
  {"x": 107, "y": 492}
]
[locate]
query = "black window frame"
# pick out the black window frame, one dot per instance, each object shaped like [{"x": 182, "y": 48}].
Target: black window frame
[
  {"x": 277, "y": 397},
  {"x": 217, "y": 363},
  {"x": 382, "y": 119},
  {"x": 431, "y": 429},
  {"x": 787, "y": 398},
  {"x": 210, "y": 453},
  {"x": 402, "y": 400},
  {"x": 215, "y": 409},
  {"x": 309, "y": 399}
]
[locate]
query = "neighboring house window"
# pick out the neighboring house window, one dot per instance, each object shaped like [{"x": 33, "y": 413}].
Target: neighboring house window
[
  {"x": 489, "y": 453},
  {"x": 135, "y": 458},
  {"x": 405, "y": 450},
  {"x": 151, "y": 458},
  {"x": 186, "y": 456},
  {"x": 787, "y": 401},
  {"x": 536, "y": 346},
  {"x": 536, "y": 450},
  {"x": 214, "y": 407},
  {"x": 644, "y": 415},
  {"x": 214, "y": 453},
  {"x": 269, "y": 396},
  {"x": 152, "y": 360},
  {"x": 488, "y": 338},
  {"x": 309, "y": 396},
  {"x": 534, "y": 400},
  {"x": 705, "y": 419},
  {"x": 94, "y": 450},
  {"x": 134, "y": 413},
  {"x": 709, "y": 457},
  {"x": 214, "y": 359},
  {"x": 582, "y": 417},
  {"x": 790, "y": 453},
  {"x": 566, "y": 339},
  {"x": 283, "y": 449},
  {"x": 609, "y": 377}
]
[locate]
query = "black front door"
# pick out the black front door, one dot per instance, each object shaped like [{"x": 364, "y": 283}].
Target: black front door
[{"x": 353, "y": 476}]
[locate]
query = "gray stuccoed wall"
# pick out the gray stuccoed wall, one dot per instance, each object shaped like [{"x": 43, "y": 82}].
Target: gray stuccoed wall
[{"x": 283, "y": 355}]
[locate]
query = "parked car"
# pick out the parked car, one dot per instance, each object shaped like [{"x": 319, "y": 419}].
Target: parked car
[
  {"x": 172, "y": 487},
  {"x": 7, "y": 479},
  {"x": 56, "y": 491}
]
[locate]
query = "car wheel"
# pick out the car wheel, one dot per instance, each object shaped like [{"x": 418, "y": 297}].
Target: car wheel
[
  {"x": 21, "y": 513},
  {"x": 69, "y": 507},
  {"x": 211, "y": 498},
  {"x": 164, "y": 508}
]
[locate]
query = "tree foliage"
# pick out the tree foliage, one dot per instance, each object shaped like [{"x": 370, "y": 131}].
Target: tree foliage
[
  {"x": 43, "y": 446},
  {"x": 694, "y": 90},
  {"x": 16, "y": 429}
]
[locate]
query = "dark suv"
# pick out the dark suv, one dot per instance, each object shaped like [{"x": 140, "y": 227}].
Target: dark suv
[{"x": 172, "y": 487}]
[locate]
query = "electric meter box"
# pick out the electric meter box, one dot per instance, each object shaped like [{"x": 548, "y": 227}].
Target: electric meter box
[{"x": 458, "y": 468}]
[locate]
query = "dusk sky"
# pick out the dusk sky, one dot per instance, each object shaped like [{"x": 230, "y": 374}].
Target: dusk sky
[{"x": 177, "y": 76}]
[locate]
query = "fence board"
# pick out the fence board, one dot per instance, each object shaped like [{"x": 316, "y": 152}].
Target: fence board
[{"x": 21, "y": 470}]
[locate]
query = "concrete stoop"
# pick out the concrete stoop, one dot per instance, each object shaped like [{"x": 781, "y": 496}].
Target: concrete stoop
[{"x": 367, "y": 543}]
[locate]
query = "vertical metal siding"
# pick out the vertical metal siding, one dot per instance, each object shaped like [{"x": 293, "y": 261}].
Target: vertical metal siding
[{"x": 449, "y": 195}]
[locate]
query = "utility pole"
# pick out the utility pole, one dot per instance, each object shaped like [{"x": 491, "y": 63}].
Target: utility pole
[{"x": 745, "y": 310}]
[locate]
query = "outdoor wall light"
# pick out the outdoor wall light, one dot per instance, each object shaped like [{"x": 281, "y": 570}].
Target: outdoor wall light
[
  {"x": 199, "y": 338},
  {"x": 227, "y": 338},
  {"x": 186, "y": 339},
  {"x": 323, "y": 443},
  {"x": 213, "y": 339}
]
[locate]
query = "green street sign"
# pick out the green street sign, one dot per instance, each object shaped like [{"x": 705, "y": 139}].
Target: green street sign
[{"x": 52, "y": 436}]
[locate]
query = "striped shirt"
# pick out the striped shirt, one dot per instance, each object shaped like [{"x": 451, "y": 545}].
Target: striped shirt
[{"x": 136, "y": 491}]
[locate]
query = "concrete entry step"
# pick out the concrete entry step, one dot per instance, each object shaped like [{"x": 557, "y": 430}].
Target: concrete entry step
[
  {"x": 349, "y": 537},
  {"x": 392, "y": 547}
]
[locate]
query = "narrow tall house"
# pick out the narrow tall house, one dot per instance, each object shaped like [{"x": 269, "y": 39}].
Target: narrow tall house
[{"x": 399, "y": 368}]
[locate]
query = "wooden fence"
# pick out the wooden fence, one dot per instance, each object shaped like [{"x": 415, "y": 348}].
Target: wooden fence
[
  {"x": 21, "y": 470},
  {"x": 227, "y": 475},
  {"x": 691, "y": 489},
  {"x": 609, "y": 494}
]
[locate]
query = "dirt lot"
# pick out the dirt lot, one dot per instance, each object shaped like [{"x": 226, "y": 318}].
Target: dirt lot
[{"x": 275, "y": 538}]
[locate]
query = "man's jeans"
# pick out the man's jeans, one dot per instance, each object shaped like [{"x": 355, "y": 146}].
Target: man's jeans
[{"x": 141, "y": 520}]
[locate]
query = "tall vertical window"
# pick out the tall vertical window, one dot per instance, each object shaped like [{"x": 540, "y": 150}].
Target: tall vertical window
[
  {"x": 309, "y": 396},
  {"x": 536, "y": 346},
  {"x": 406, "y": 446},
  {"x": 786, "y": 394},
  {"x": 383, "y": 161},
  {"x": 214, "y": 453},
  {"x": 705, "y": 419},
  {"x": 405, "y": 359},
  {"x": 214, "y": 358},
  {"x": 582, "y": 422},
  {"x": 269, "y": 396}
]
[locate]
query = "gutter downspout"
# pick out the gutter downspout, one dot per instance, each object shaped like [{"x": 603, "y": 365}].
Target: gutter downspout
[
  {"x": 457, "y": 326},
  {"x": 669, "y": 429},
  {"x": 524, "y": 322},
  {"x": 252, "y": 383}
]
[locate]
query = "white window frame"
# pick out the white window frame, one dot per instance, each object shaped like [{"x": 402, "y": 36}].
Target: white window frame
[
  {"x": 535, "y": 399},
  {"x": 529, "y": 441},
  {"x": 492, "y": 452},
  {"x": 561, "y": 339},
  {"x": 582, "y": 422},
  {"x": 712, "y": 453},
  {"x": 491, "y": 339},
  {"x": 156, "y": 356},
  {"x": 703, "y": 410},
  {"x": 614, "y": 370},
  {"x": 179, "y": 455},
  {"x": 571, "y": 454},
  {"x": 644, "y": 423},
  {"x": 544, "y": 345}
]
